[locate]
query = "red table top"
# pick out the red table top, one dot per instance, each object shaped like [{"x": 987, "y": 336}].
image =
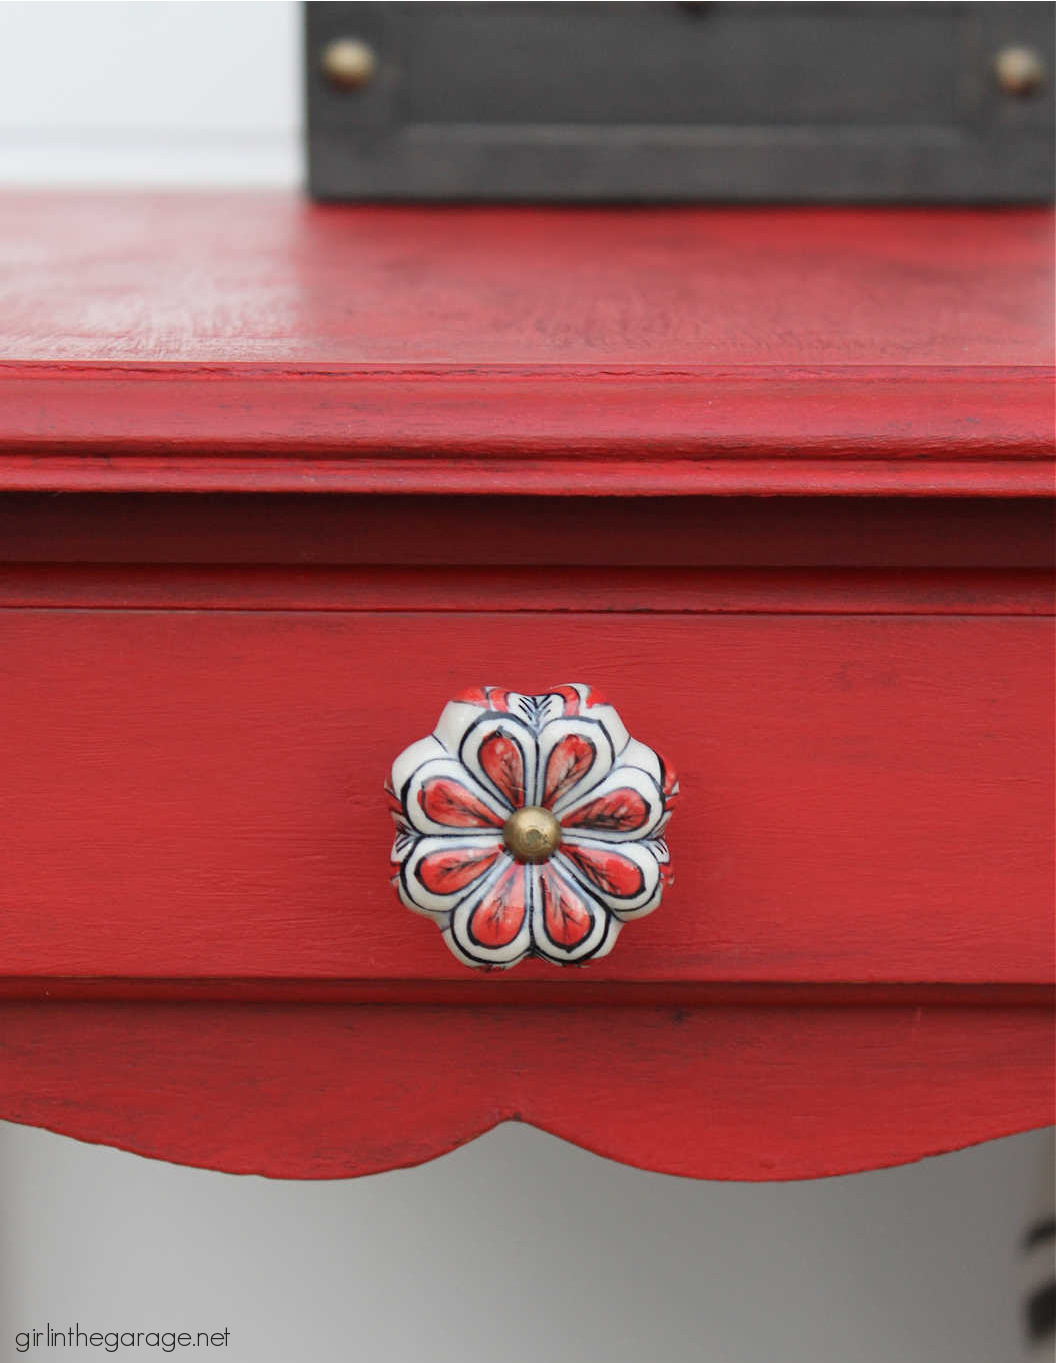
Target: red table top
[{"x": 150, "y": 340}]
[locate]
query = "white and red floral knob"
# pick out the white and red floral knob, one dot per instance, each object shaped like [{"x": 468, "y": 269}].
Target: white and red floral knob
[{"x": 530, "y": 825}]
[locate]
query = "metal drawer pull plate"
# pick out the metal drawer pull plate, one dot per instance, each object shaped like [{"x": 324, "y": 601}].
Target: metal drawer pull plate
[{"x": 530, "y": 826}]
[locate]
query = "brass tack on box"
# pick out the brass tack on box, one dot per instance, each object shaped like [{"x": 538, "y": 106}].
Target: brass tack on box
[
  {"x": 348, "y": 63},
  {"x": 1019, "y": 71}
]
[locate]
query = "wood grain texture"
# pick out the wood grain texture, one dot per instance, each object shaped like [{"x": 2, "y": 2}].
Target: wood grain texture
[
  {"x": 197, "y": 793},
  {"x": 327, "y": 1091},
  {"x": 256, "y": 343},
  {"x": 266, "y": 278}
]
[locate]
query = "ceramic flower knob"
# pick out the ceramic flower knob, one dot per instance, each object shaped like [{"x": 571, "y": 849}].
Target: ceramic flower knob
[{"x": 530, "y": 825}]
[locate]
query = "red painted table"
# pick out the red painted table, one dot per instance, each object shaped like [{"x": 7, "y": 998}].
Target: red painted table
[{"x": 278, "y": 480}]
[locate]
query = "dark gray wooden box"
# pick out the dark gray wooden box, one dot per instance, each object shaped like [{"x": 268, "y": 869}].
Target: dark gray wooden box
[{"x": 857, "y": 102}]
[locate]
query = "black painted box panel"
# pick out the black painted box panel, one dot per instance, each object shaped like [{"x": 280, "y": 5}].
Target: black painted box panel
[{"x": 841, "y": 102}]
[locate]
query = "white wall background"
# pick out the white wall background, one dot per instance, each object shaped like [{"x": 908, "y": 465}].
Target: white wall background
[
  {"x": 198, "y": 92},
  {"x": 517, "y": 1247}
]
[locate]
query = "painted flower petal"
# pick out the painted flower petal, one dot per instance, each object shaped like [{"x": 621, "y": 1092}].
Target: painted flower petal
[
  {"x": 567, "y": 916},
  {"x": 626, "y": 877},
  {"x": 490, "y": 697},
  {"x": 501, "y": 752},
  {"x": 500, "y": 914},
  {"x": 575, "y": 754},
  {"x": 447, "y": 801},
  {"x": 570, "y": 697},
  {"x": 576, "y": 698},
  {"x": 502, "y": 761},
  {"x": 437, "y": 873},
  {"x": 627, "y": 804},
  {"x": 617, "y": 811},
  {"x": 491, "y": 926},
  {"x": 441, "y": 797},
  {"x": 607, "y": 869},
  {"x": 595, "y": 709},
  {"x": 570, "y": 923},
  {"x": 449, "y": 870},
  {"x": 571, "y": 758}
]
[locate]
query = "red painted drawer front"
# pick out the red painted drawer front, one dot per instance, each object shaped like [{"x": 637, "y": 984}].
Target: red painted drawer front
[{"x": 198, "y": 793}]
